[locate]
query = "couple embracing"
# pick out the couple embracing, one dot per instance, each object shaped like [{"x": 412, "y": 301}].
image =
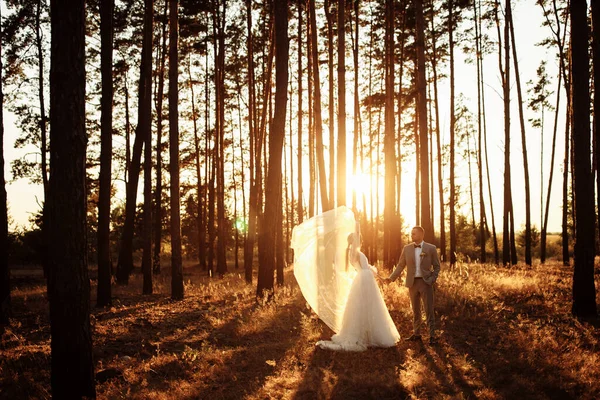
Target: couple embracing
[{"x": 340, "y": 285}]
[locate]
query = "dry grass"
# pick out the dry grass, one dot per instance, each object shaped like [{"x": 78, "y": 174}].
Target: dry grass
[{"x": 505, "y": 333}]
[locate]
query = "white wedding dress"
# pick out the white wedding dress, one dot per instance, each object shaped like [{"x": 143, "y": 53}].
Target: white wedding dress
[{"x": 348, "y": 300}]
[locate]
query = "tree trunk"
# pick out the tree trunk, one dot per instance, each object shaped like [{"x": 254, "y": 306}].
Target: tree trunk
[
  {"x": 43, "y": 118},
  {"x": 176, "y": 261},
  {"x": 452, "y": 202},
  {"x": 506, "y": 244},
  {"x": 159, "y": 128},
  {"x": 5, "y": 308},
  {"x": 523, "y": 142},
  {"x": 318, "y": 124},
  {"x": 199, "y": 192},
  {"x": 331, "y": 108},
  {"x": 300, "y": 115},
  {"x": 596, "y": 124},
  {"x": 220, "y": 93},
  {"x": 478, "y": 59},
  {"x": 273, "y": 188},
  {"x": 584, "y": 291},
  {"x": 389, "y": 145},
  {"x": 357, "y": 119},
  {"x": 547, "y": 211},
  {"x": 143, "y": 130},
  {"x": 72, "y": 364},
  {"x": 249, "y": 243},
  {"x": 311, "y": 131},
  {"x": 426, "y": 221},
  {"x": 103, "y": 297},
  {"x": 341, "y": 72}
]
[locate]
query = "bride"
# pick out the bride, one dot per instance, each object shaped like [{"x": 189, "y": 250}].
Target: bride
[{"x": 339, "y": 284}]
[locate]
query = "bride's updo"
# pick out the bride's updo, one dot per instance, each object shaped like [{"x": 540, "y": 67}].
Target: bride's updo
[{"x": 353, "y": 244}]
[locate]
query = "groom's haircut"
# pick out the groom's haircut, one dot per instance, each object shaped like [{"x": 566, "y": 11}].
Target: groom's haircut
[{"x": 419, "y": 228}]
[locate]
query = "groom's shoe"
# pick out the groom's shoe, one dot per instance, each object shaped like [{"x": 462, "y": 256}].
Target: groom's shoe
[
  {"x": 433, "y": 340},
  {"x": 414, "y": 338}
]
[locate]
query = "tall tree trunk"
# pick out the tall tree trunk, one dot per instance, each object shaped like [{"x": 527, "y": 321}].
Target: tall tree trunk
[
  {"x": 506, "y": 247},
  {"x": 273, "y": 188},
  {"x": 596, "y": 64},
  {"x": 523, "y": 141},
  {"x": 478, "y": 57},
  {"x": 452, "y": 202},
  {"x": 103, "y": 297},
  {"x": 199, "y": 191},
  {"x": 565, "y": 189},
  {"x": 147, "y": 210},
  {"x": 389, "y": 145},
  {"x": 158, "y": 212},
  {"x": 584, "y": 291},
  {"x": 5, "y": 308},
  {"x": 434, "y": 60},
  {"x": 72, "y": 364},
  {"x": 547, "y": 211},
  {"x": 176, "y": 261},
  {"x": 43, "y": 118},
  {"x": 426, "y": 221},
  {"x": 249, "y": 244},
  {"x": 357, "y": 123},
  {"x": 330, "y": 23},
  {"x": 318, "y": 124},
  {"x": 341, "y": 73},
  {"x": 220, "y": 91},
  {"x": 127, "y": 129},
  {"x": 143, "y": 130},
  {"x": 311, "y": 132},
  {"x": 256, "y": 187},
  {"x": 300, "y": 115}
]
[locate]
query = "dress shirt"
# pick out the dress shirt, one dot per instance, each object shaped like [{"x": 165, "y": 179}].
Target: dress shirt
[{"x": 418, "y": 250}]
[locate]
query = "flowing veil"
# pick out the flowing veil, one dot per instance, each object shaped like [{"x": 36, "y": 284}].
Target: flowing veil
[{"x": 319, "y": 245}]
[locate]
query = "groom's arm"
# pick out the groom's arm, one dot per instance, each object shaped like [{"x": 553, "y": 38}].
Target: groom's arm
[
  {"x": 399, "y": 267},
  {"x": 436, "y": 264}
]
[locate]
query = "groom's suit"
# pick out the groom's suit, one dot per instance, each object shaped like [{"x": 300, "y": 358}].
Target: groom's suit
[{"x": 420, "y": 276}]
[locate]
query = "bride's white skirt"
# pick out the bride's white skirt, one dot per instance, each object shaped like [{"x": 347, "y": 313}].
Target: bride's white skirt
[{"x": 366, "y": 321}]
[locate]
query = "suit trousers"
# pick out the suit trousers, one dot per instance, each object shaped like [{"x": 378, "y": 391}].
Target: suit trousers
[{"x": 420, "y": 291}]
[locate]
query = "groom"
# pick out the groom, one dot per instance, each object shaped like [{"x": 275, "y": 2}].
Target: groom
[{"x": 422, "y": 269}]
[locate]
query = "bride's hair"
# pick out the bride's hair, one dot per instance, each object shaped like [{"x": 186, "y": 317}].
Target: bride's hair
[{"x": 350, "y": 240}]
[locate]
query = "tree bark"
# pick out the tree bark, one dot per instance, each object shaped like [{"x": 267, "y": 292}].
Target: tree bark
[
  {"x": 341, "y": 73},
  {"x": 523, "y": 142},
  {"x": 478, "y": 58},
  {"x": 220, "y": 117},
  {"x": 125, "y": 263},
  {"x": 584, "y": 291},
  {"x": 452, "y": 202},
  {"x": 596, "y": 123},
  {"x": 389, "y": 145},
  {"x": 43, "y": 118},
  {"x": 5, "y": 307},
  {"x": 331, "y": 108},
  {"x": 158, "y": 210},
  {"x": 103, "y": 297},
  {"x": 318, "y": 123},
  {"x": 434, "y": 60},
  {"x": 300, "y": 116},
  {"x": 249, "y": 243},
  {"x": 72, "y": 364},
  {"x": 426, "y": 221},
  {"x": 273, "y": 188},
  {"x": 176, "y": 260}
]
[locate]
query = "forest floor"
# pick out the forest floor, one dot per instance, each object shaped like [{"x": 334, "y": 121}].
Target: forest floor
[{"x": 505, "y": 333}]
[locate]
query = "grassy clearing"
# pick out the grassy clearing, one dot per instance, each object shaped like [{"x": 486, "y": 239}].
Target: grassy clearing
[{"x": 505, "y": 333}]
